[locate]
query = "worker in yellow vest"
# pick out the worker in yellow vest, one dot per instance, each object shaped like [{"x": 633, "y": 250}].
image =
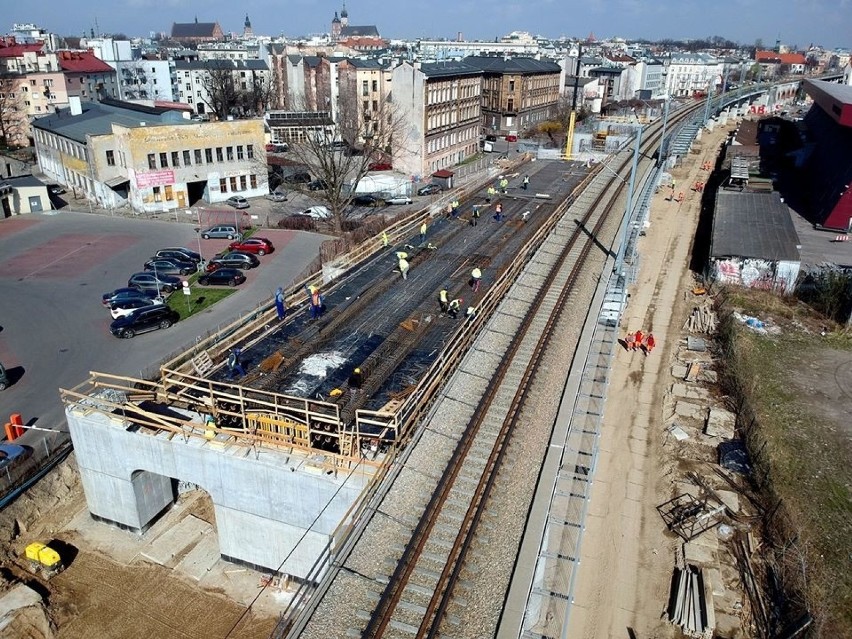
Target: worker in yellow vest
[{"x": 442, "y": 300}]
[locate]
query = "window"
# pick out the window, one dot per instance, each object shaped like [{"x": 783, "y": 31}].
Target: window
[
  {"x": 240, "y": 154},
  {"x": 375, "y": 106},
  {"x": 234, "y": 183},
  {"x": 208, "y": 156},
  {"x": 32, "y": 83},
  {"x": 365, "y": 88},
  {"x": 152, "y": 161},
  {"x": 511, "y": 85},
  {"x": 186, "y": 158},
  {"x": 157, "y": 196},
  {"x": 219, "y": 154},
  {"x": 169, "y": 193},
  {"x": 188, "y": 86},
  {"x": 175, "y": 159},
  {"x": 164, "y": 160},
  {"x": 250, "y": 151},
  {"x": 38, "y": 108},
  {"x": 510, "y": 106},
  {"x": 375, "y": 85},
  {"x": 230, "y": 153},
  {"x": 198, "y": 156},
  {"x": 26, "y": 103},
  {"x": 253, "y": 181},
  {"x": 223, "y": 185},
  {"x": 110, "y": 156},
  {"x": 366, "y": 105},
  {"x": 242, "y": 183}
]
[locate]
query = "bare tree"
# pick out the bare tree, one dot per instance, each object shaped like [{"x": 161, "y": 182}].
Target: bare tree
[
  {"x": 13, "y": 116},
  {"x": 222, "y": 95},
  {"x": 338, "y": 156},
  {"x": 259, "y": 95}
]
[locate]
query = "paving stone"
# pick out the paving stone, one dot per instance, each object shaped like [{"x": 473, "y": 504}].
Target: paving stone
[
  {"x": 720, "y": 423},
  {"x": 690, "y": 410},
  {"x": 698, "y": 554},
  {"x": 684, "y": 391},
  {"x": 679, "y": 371}
]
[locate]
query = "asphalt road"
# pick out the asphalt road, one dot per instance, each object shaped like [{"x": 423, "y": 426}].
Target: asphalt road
[{"x": 54, "y": 329}]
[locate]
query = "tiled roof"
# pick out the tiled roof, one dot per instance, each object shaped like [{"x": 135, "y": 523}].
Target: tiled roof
[
  {"x": 193, "y": 29},
  {"x": 82, "y": 62},
  {"x": 14, "y": 50},
  {"x": 367, "y": 30}
]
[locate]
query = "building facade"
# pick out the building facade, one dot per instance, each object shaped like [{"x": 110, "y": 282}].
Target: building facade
[
  {"x": 440, "y": 104},
  {"x": 692, "y": 73},
  {"x": 151, "y": 159}
]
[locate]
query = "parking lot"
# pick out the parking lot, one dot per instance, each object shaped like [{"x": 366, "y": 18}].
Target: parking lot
[{"x": 54, "y": 328}]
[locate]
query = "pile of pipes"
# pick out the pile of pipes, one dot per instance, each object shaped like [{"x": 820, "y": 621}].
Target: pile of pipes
[
  {"x": 688, "y": 603},
  {"x": 702, "y": 320}
]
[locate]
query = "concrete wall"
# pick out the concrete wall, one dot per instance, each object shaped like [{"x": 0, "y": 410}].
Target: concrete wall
[{"x": 266, "y": 503}]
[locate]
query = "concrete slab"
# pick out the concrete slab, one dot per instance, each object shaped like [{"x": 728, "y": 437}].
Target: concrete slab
[
  {"x": 167, "y": 549},
  {"x": 728, "y": 627},
  {"x": 730, "y": 499},
  {"x": 720, "y": 423},
  {"x": 679, "y": 371},
  {"x": 698, "y": 554},
  {"x": 690, "y": 410},
  {"x": 684, "y": 391},
  {"x": 201, "y": 559},
  {"x": 708, "y": 377},
  {"x": 18, "y": 597},
  {"x": 714, "y": 576}
]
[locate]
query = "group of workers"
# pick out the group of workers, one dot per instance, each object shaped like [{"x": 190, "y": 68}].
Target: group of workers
[{"x": 638, "y": 341}]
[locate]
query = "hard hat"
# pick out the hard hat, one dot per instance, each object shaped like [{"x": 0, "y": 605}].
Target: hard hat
[{"x": 357, "y": 370}]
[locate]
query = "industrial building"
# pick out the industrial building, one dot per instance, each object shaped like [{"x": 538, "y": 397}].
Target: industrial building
[{"x": 151, "y": 159}]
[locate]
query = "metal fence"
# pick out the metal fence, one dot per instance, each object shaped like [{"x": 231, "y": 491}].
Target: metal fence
[{"x": 24, "y": 471}]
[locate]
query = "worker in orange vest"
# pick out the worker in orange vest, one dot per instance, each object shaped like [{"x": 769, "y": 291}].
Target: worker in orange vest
[
  {"x": 638, "y": 340},
  {"x": 629, "y": 341},
  {"x": 650, "y": 343}
]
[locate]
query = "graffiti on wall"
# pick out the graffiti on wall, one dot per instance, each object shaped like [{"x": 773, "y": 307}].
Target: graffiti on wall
[{"x": 758, "y": 274}]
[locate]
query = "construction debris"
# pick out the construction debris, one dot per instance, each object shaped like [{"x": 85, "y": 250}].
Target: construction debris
[
  {"x": 688, "y": 603},
  {"x": 702, "y": 320}
]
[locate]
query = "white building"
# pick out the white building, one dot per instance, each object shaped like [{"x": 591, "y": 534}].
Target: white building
[
  {"x": 192, "y": 86},
  {"x": 689, "y": 73},
  {"x": 147, "y": 80}
]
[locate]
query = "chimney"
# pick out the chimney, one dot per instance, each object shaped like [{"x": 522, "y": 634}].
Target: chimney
[{"x": 74, "y": 104}]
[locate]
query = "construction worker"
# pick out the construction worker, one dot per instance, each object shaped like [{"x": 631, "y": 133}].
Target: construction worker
[
  {"x": 475, "y": 279},
  {"x": 650, "y": 343},
  {"x": 526, "y": 183},
  {"x": 442, "y": 300},
  {"x": 384, "y": 239},
  {"x": 280, "y": 303},
  {"x": 490, "y": 194},
  {"x": 504, "y": 184},
  {"x": 403, "y": 267},
  {"x": 316, "y": 303},
  {"x": 423, "y": 228},
  {"x": 470, "y": 313},
  {"x": 498, "y": 212},
  {"x": 401, "y": 255},
  {"x": 637, "y": 342},
  {"x": 629, "y": 341},
  {"x": 235, "y": 366},
  {"x": 454, "y": 307},
  {"x": 455, "y": 206},
  {"x": 356, "y": 379},
  {"x": 525, "y": 215},
  {"x": 474, "y": 216}
]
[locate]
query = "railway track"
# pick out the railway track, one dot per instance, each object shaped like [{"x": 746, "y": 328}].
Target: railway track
[{"x": 414, "y": 599}]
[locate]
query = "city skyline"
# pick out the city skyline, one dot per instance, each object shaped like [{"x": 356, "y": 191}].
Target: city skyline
[{"x": 794, "y": 22}]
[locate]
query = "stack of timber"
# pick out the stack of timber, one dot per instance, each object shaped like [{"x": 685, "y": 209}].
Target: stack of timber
[
  {"x": 702, "y": 320},
  {"x": 688, "y": 603}
]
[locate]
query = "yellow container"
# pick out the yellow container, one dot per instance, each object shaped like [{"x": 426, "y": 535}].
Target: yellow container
[{"x": 45, "y": 555}]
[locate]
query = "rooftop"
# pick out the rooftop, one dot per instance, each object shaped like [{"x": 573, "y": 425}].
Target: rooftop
[
  {"x": 834, "y": 99},
  {"x": 753, "y": 225},
  {"x": 194, "y": 29},
  {"x": 448, "y": 69},
  {"x": 499, "y": 64},
  {"x": 82, "y": 62}
]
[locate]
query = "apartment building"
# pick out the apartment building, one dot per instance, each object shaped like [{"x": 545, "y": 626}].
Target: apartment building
[
  {"x": 440, "y": 104},
  {"x": 193, "y": 80},
  {"x": 151, "y": 159},
  {"x": 691, "y": 73}
]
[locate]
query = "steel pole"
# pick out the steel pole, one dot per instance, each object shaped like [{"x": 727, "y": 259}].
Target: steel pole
[
  {"x": 622, "y": 247},
  {"x": 660, "y": 157}
]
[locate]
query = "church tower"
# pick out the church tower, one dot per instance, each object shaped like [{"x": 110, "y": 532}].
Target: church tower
[
  {"x": 344, "y": 16},
  {"x": 335, "y": 27},
  {"x": 247, "y": 32}
]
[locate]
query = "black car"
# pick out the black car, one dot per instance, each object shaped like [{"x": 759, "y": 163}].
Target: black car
[
  {"x": 234, "y": 259},
  {"x": 178, "y": 253},
  {"x": 299, "y": 177},
  {"x": 318, "y": 185},
  {"x": 156, "y": 282},
  {"x": 143, "y": 320},
  {"x": 429, "y": 189},
  {"x": 123, "y": 294},
  {"x": 222, "y": 277},
  {"x": 170, "y": 266},
  {"x": 491, "y": 138},
  {"x": 367, "y": 200}
]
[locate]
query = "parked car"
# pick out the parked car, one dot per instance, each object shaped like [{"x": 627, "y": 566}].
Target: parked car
[
  {"x": 254, "y": 244},
  {"x": 179, "y": 253},
  {"x": 234, "y": 259},
  {"x": 55, "y": 189},
  {"x": 317, "y": 185},
  {"x": 228, "y": 231},
  {"x": 299, "y": 177},
  {"x": 170, "y": 266},
  {"x": 124, "y": 294},
  {"x": 511, "y": 138},
  {"x": 316, "y": 212},
  {"x": 429, "y": 189},
  {"x": 144, "y": 320},
  {"x": 223, "y": 277},
  {"x": 367, "y": 199},
  {"x": 491, "y": 138},
  {"x": 397, "y": 199},
  {"x": 277, "y": 196},
  {"x": 238, "y": 202},
  {"x": 126, "y": 307},
  {"x": 157, "y": 283}
]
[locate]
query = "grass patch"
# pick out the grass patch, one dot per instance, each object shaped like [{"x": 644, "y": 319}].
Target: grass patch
[
  {"x": 801, "y": 449},
  {"x": 200, "y": 299}
]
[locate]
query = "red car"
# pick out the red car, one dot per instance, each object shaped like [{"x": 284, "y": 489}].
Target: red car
[
  {"x": 256, "y": 245},
  {"x": 511, "y": 138},
  {"x": 379, "y": 166}
]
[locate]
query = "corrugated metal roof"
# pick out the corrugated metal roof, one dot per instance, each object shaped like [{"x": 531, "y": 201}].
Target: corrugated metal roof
[{"x": 755, "y": 225}]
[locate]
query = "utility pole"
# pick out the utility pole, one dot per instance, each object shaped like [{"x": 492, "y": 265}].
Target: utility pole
[
  {"x": 572, "y": 120},
  {"x": 622, "y": 247},
  {"x": 707, "y": 106}
]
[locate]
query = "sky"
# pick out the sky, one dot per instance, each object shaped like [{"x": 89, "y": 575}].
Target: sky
[{"x": 794, "y": 22}]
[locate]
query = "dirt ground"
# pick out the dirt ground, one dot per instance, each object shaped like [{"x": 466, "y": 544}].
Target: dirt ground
[
  {"x": 627, "y": 554},
  {"x": 120, "y": 596}
]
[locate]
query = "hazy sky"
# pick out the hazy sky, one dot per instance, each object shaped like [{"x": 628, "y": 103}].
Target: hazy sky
[{"x": 795, "y": 22}]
